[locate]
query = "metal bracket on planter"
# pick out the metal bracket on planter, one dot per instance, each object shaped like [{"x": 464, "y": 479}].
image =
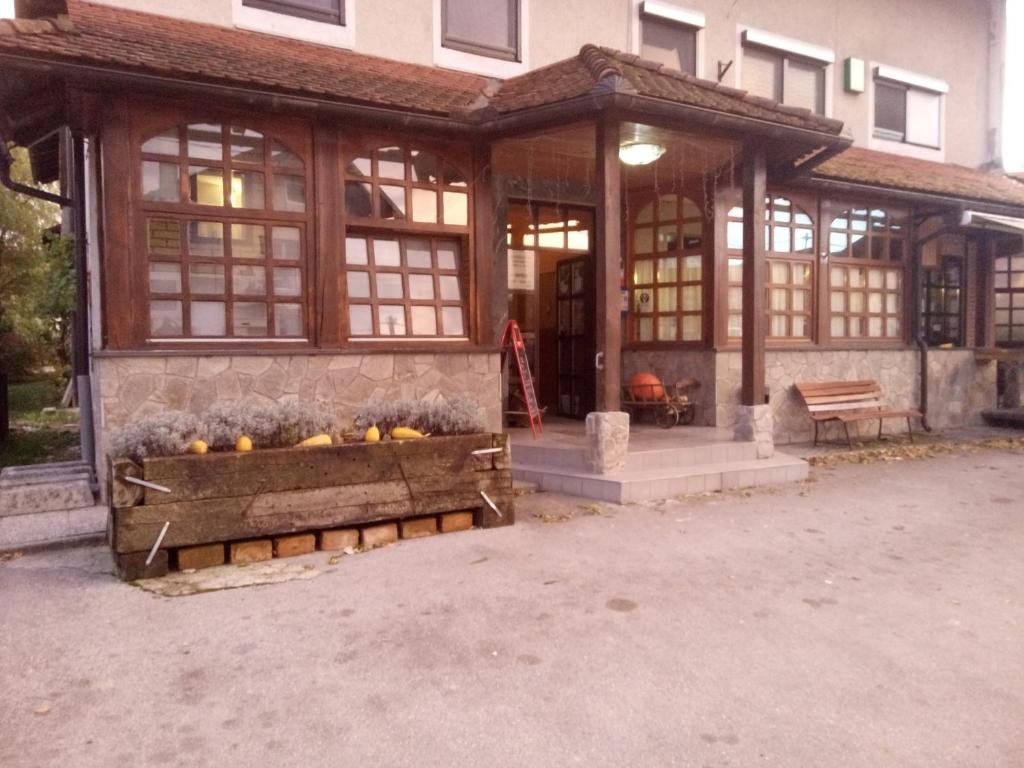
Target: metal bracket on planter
[
  {"x": 487, "y": 451},
  {"x": 146, "y": 484},
  {"x": 491, "y": 504},
  {"x": 157, "y": 543}
]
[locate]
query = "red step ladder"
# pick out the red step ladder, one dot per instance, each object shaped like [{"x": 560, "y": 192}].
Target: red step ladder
[{"x": 512, "y": 341}]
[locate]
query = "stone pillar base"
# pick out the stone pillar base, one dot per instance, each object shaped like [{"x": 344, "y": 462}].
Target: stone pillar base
[
  {"x": 607, "y": 441},
  {"x": 1013, "y": 392},
  {"x": 755, "y": 424}
]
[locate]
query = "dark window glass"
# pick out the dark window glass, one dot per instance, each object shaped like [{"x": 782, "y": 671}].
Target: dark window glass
[
  {"x": 890, "y": 110},
  {"x": 668, "y": 43},
  {"x": 485, "y": 27},
  {"x": 942, "y": 303},
  {"x": 331, "y": 11}
]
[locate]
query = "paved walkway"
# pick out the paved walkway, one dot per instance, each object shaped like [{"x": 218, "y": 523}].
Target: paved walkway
[{"x": 871, "y": 618}]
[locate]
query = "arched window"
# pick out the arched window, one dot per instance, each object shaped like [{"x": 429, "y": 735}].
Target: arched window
[
  {"x": 409, "y": 281},
  {"x": 225, "y": 221},
  {"x": 866, "y": 253},
  {"x": 666, "y": 279},
  {"x": 789, "y": 242}
]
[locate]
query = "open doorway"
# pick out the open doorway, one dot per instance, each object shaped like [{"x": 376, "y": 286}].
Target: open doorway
[{"x": 551, "y": 296}]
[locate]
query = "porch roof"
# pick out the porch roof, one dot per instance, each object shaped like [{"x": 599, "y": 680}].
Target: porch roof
[
  {"x": 116, "y": 41},
  {"x": 881, "y": 170}
]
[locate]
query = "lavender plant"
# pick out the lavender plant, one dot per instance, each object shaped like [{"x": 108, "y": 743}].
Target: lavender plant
[{"x": 162, "y": 434}]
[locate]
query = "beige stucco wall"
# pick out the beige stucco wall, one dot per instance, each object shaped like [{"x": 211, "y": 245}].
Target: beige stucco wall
[
  {"x": 945, "y": 39},
  {"x": 126, "y": 388}
]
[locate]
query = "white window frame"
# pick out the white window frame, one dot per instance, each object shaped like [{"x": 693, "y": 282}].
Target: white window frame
[
  {"x": 286, "y": 25},
  {"x": 786, "y": 46},
  {"x": 671, "y": 12},
  {"x": 478, "y": 63},
  {"x": 917, "y": 81}
]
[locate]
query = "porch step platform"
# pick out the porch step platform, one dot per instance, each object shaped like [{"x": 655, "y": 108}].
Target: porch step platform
[
  {"x": 633, "y": 485},
  {"x": 50, "y": 529},
  {"x": 36, "y": 488}
]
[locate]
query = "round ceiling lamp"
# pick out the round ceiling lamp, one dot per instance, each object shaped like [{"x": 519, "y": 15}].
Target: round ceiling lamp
[{"x": 640, "y": 153}]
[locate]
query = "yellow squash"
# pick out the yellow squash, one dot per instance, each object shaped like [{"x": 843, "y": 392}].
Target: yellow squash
[
  {"x": 243, "y": 444},
  {"x": 198, "y": 446},
  {"x": 372, "y": 434},
  {"x": 315, "y": 440},
  {"x": 405, "y": 433}
]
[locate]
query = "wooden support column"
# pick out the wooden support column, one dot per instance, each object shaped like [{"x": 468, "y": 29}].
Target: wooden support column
[
  {"x": 754, "y": 265},
  {"x": 608, "y": 300},
  {"x": 490, "y": 294}
]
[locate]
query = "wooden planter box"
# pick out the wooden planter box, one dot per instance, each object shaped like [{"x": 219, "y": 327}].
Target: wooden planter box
[{"x": 223, "y": 497}]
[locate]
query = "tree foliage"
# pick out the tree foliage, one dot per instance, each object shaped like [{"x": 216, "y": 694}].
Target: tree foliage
[{"x": 36, "y": 280}]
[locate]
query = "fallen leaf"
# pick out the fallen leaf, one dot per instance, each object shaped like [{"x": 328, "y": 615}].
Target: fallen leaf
[
  {"x": 334, "y": 560},
  {"x": 43, "y": 709}
]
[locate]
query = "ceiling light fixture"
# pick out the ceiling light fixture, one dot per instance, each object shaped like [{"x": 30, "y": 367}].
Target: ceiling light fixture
[{"x": 640, "y": 153}]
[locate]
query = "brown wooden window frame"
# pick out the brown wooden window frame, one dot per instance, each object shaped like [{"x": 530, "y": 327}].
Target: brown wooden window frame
[
  {"x": 651, "y": 22},
  {"x": 510, "y": 52},
  {"x": 362, "y": 165},
  {"x": 300, "y": 10},
  {"x": 687, "y": 250},
  {"x": 1008, "y": 282},
  {"x": 886, "y": 250},
  {"x": 153, "y": 146},
  {"x": 943, "y": 305}
]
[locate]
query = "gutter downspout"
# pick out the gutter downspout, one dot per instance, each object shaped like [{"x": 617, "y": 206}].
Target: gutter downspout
[
  {"x": 923, "y": 348},
  {"x": 6, "y": 161}
]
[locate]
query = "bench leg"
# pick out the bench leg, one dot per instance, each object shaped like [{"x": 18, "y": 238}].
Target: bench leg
[
  {"x": 849, "y": 442},
  {"x": 910, "y": 430}
]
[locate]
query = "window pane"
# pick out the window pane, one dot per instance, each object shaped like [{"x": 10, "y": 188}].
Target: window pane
[
  {"x": 417, "y": 254},
  {"x": 358, "y": 198},
  {"x": 451, "y": 317},
  {"x": 692, "y": 328},
  {"x": 692, "y": 298},
  {"x": 163, "y": 237},
  {"x": 391, "y": 163},
  {"x": 837, "y": 242},
  {"x": 735, "y": 298},
  {"x": 670, "y": 44},
  {"x": 643, "y": 272},
  {"x": 248, "y": 241},
  {"x": 283, "y": 159},
  {"x": 165, "y": 318},
  {"x": 643, "y": 240},
  {"x": 838, "y": 327},
  {"x": 206, "y": 185},
  {"x": 289, "y": 193},
  {"x": 287, "y": 281},
  {"x": 246, "y": 145},
  {"x": 800, "y": 326},
  {"x": 248, "y": 281},
  {"x": 424, "y": 167},
  {"x": 668, "y": 299},
  {"x": 805, "y": 85},
  {"x": 359, "y": 166},
  {"x": 391, "y": 320},
  {"x": 424, "y": 205},
  {"x": 777, "y": 326},
  {"x": 386, "y": 253},
  {"x": 165, "y": 143},
  {"x": 358, "y": 285},
  {"x": 485, "y": 23},
  {"x": 781, "y": 242},
  {"x": 206, "y": 239},
  {"x": 692, "y": 268},
  {"x": 208, "y": 318},
  {"x": 734, "y": 235},
  {"x": 389, "y": 285},
  {"x": 800, "y": 300},
  {"x": 424, "y": 321},
  {"x": 450, "y": 288},
  {"x": 421, "y": 287},
  {"x": 668, "y": 270},
  {"x": 287, "y": 320},
  {"x": 206, "y": 278},
  {"x": 247, "y": 189},
  {"x": 645, "y": 329},
  {"x": 447, "y": 255},
  {"x": 668, "y": 328},
  {"x": 735, "y": 268},
  {"x": 890, "y": 108},
  {"x": 205, "y": 142},
  {"x": 287, "y": 243},
  {"x": 250, "y": 319},
  {"x": 668, "y": 238},
  {"x": 762, "y": 73},
  {"x": 160, "y": 182},
  {"x": 453, "y": 177},
  {"x": 803, "y": 241},
  {"x": 164, "y": 277},
  {"x": 923, "y": 110},
  {"x": 456, "y": 208},
  {"x": 355, "y": 250},
  {"x": 360, "y": 321},
  {"x": 392, "y": 202}
]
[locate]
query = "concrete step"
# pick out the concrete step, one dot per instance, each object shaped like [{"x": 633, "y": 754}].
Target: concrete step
[
  {"x": 574, "y": 458},
  {"x": 42, "y": 529},
  {"x": 38, "y": 488},
  {"x": 627, "y": 486}
]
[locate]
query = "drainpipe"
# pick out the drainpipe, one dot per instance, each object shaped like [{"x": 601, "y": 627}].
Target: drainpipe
[
  {"x": 923, "y": 347},
  {"x": 6, "y": 161}
]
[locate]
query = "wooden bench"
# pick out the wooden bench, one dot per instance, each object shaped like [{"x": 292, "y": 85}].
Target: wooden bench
[{"x": 846, "y": 401}]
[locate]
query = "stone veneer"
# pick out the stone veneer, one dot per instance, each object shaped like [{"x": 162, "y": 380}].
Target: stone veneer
[
  {"x": 128, "y": 387},
  {"x": 959, "y": 387}
]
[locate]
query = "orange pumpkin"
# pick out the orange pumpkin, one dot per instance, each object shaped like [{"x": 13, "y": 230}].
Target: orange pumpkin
[{"x": 646, "y": 386}]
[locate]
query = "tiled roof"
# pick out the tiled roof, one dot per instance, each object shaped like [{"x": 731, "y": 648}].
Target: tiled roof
[
  {"x": 123, "y": 40},
  {"x": 578, "y": 76},
  {"x": 881, "y": 169}
]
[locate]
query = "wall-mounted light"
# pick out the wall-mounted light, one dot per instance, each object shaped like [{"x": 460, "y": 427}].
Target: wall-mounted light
[{"x": 640, "y": 153}]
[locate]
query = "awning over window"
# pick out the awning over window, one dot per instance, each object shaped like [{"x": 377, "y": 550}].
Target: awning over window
[{"x": 1009, "y": 224}]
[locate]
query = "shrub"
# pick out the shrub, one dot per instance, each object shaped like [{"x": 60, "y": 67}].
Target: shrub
[
  {"x": 162, "y": 434},
  {"x": 458, "y": 415}
]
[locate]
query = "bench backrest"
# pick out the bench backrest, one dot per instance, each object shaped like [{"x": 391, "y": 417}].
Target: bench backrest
[{"x": 828, "y": 396}]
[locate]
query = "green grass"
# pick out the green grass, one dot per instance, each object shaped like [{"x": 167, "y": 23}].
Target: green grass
[{"x": 38, "y": 437}]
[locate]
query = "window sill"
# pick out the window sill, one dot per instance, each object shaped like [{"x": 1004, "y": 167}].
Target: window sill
[{"x": 906, "y": 149}]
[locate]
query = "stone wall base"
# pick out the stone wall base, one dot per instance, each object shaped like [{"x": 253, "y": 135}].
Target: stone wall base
[{"x": 756, "y": 424}]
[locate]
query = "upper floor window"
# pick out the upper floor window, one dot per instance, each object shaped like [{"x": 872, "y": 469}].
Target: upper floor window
[
  {"x": 668, "y": 35},
  {"x": 330, "y": 11},
  {"x": 907, "y": 113},
  {"x": 483, "y": 27},
  {"x": 224, "y": 225},
  {"x": 784, "y": 70}
]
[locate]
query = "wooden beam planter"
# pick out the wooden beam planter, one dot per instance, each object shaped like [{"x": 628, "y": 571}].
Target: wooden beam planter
[{"x": 224, "y": 497}]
